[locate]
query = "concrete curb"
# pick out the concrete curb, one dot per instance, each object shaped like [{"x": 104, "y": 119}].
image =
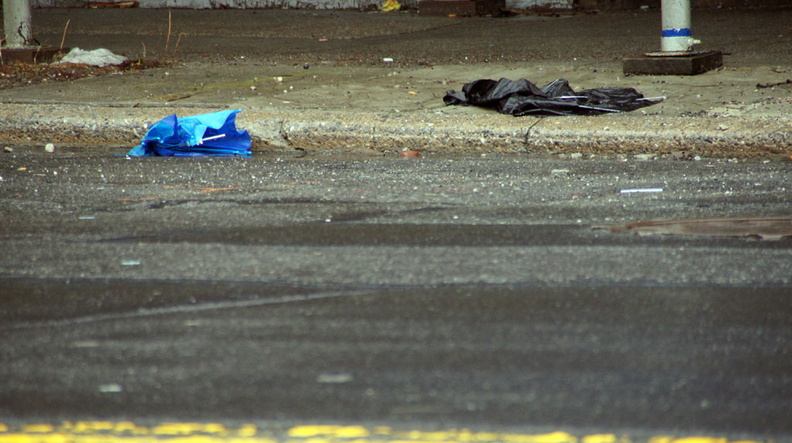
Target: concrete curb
[{"x": 469, "y": 131}]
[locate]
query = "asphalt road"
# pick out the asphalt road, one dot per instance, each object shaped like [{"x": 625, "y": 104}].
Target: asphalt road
[
  {"x": 351, "y": 37},
  {"x": 432, "y": 293}
]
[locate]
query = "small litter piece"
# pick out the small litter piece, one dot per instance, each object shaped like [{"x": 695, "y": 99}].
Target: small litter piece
[
  {"x": 105, "y": 5},
  {"x": 202, "y": 135},
  {"x": 764, "y": 228},
  {"x": 391, "y": 5},
  {"x": 111, "y": 388},
  {"x": 98, "y": 57},
  {"x": 522, "y": 97},
  {"x": 640, "y": 190},
  {"x": 410, "y": 153},
  {"x": 334, "y": 377}
]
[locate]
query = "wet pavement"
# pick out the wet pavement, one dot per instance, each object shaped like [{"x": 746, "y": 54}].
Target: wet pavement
[
  {"x": 637, "y": 360},
  {"x": 432, "y": 293},
  {"x": 160, "y": 210},
  {"x": 328, "y": 281}
]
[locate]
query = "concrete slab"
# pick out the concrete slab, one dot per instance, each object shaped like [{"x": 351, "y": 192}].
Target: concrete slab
[{"x": 657, "y": 64}]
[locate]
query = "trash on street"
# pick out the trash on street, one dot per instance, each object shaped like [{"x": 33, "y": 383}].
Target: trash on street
[
  {"x": 640, "y": 190},
  {"x": 391, "y": 5},
  {"x": 410, "y": 153},
  {"x": 522, "y": 97},
  {"x": 98, "y": 57},
  {"x": 105, "y": 5},
  {"x": 212, "y": 134}
]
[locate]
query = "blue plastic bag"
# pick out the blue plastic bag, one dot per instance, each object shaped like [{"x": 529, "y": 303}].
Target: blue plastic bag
[{"x": 212, "y": 134}]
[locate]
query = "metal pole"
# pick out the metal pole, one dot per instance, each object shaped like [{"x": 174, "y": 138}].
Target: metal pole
[
  {"x": 676, "y": 35},
  {"x": 17, "y": 24}
]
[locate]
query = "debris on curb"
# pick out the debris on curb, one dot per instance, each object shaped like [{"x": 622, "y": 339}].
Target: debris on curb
[
  {"x": 391, "y": 5},
  {"x": 107, "y": 5},
  {"x": 522, "y": 97},
  {"x": 98, "y": 57},
  {"x": 202, "y": 135},
  {"x": 772, "y": 85}
]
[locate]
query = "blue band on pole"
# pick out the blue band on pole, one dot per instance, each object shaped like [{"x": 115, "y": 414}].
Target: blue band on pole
[{"x": 682, "y": 32}]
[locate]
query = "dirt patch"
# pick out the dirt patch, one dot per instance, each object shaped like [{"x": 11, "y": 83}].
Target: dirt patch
[{"x": 15, "y": 75}]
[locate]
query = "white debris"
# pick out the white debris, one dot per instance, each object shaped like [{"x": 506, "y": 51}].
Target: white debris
[
  {"x": 98, "y": 57},
  {"x": 49, "y": 147},
  {"x": 334, "y": 377},
  {"x": 640, "y": 190},
  {"x": 111, "y": 388}
]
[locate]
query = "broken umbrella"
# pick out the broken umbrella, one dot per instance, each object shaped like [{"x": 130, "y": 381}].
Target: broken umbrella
[
  {"x": 522, "y": 97},
  {"x": 212, "y": 134}
]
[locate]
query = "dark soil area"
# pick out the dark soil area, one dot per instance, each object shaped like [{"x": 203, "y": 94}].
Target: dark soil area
[{"x": 14, "y": 75}]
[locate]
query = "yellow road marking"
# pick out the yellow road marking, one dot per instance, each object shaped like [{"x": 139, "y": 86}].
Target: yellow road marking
[
  {"x": 178, "y": 432},
  {"x": 337, "y": 431},
  {"x": 188, "y": 428},
  {"x": 37, "y": 428}
]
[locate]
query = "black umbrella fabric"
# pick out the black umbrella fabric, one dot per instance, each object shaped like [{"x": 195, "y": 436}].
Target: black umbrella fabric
[{"x": 522, "y": 97}]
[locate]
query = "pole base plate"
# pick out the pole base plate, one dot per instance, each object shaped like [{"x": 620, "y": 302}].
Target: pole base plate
[{"x": 658, "y": 63}]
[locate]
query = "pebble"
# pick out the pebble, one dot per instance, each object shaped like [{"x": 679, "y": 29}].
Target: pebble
[{"x": 409, "y": 153}]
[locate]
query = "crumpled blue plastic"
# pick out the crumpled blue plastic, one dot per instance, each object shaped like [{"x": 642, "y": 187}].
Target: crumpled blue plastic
[{"x": 212, "y": 134}]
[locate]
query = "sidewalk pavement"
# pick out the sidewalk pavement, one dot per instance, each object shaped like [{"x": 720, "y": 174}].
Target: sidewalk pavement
[{"x": 318, "y": 80}]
